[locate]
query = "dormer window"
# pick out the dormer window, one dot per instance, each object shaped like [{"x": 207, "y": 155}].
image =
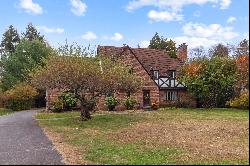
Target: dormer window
[
  {"x": 172, "y": 73},
  {"x": 156, "y": 74}
]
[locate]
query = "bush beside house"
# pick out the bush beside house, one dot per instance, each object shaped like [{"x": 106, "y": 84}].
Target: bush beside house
[{"x": 20, "y": 97}]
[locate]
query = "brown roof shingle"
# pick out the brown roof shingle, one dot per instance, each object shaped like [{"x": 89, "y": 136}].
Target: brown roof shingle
[{"x": 151, "y": 59}]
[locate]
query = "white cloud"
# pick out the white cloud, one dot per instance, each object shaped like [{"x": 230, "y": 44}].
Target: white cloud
[
  {"x": 194, "y": 42},
  {"x": 144, "y": 44},
  {"x": 89, "y": 36},
  {"x": 197, "y": 34},
  {"x": 51, "y": 30},
  {"x": 214, "y": 31},
  {"x": 78, "y": 7},
  {"x": 170, "y": 10},
  {"x": 116, "y": 37},
  {"x": 224, "y": 4},
  {"x": 173, "y": 4},
  {"x": 30, "y": 7},
  {"x": 231, "y": 19},
  {"x": 164, "y": 16}
]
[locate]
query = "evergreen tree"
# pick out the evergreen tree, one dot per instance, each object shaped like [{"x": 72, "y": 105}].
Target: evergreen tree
[
  {"x": 171, "y": 49},
  {"x": 158, "y": 42},
  {"x": 32, "y": 33},
  {"x": 10, "y": 40}
]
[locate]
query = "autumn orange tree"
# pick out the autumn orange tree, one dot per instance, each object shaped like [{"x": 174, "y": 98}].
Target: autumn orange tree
[
  {"x": 87, "y": 77},
  {"x": 242, "y": 63}
]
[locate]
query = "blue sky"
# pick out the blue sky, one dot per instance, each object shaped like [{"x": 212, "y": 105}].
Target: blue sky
[{"x": 132, "y": 22}]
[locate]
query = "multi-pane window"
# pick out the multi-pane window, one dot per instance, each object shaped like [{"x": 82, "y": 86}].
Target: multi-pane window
[{"x": 171, "y": 95}]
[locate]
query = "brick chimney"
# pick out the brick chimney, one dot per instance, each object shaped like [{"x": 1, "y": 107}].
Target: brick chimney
[{"x": 182, "y": 52}]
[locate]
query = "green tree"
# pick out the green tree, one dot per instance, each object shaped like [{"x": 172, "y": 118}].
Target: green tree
[
  {"x": 171, "y": 48},
  {"x": 31, "y": 33},
  {"x": 85, "y": 76},
  {"x": 158, "y": 42},
  {"x": 27, "y": 56},
  {"x": 210, "y": 80},
  {"x": 10, "y": 40}
]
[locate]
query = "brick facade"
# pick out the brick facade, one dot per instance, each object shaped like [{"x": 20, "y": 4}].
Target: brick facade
[
  {"x": 51, "y": 95},
  {"x": 148, "y": 84}
]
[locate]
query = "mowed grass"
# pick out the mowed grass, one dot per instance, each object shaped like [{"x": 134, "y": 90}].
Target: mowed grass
[
  {"x": 4, "y": 111},
  {"x": 166, "y": 136}
]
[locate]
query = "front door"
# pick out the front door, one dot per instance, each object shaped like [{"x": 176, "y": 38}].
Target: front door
[{"x": 146, "y": 97}]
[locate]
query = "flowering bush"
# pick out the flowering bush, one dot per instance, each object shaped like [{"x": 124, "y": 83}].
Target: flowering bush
[
  {"x": 129, "y": 103},
  {"x": 111, "y": 102},
  {"x": 69, "y": 100},
  {"x": 240, "y": 102}
]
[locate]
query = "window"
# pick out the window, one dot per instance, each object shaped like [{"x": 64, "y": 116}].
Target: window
[
  {"x": 172, "y": 73},
  {"x": 171, "y": 95},
  {"x": 156, "y": 74}
]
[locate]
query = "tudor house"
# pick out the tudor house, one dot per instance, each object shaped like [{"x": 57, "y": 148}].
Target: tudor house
[{"x": 158, "y": 71}]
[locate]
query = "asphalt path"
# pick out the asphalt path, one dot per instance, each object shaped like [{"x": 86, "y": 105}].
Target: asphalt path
[{"x": 22, "y": 141}]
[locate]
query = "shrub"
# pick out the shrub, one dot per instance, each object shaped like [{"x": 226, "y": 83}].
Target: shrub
[
  {"x": 186, "y": 100},
  {"x": 154, "y": 105},
  {"x": 129, "y": 103},
  {"x": 241, "y": 101},
  {"x": 3, "y": 100},
  {"x": 69, "y": 100},
  {"x": 111, "y": 102},
  {"x": 20, "y": 97},
  {"x": 57, "y": 105}
]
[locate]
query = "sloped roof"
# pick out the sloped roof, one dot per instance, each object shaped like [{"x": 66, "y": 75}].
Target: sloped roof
[{"x": 151, "y": 59}]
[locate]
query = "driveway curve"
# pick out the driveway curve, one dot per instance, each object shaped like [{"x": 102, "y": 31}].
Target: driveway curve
[{"x": 22, "y": 141}]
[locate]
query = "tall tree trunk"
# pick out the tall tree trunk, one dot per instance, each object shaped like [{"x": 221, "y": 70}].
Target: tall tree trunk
[{"x": 85, "y": 112}]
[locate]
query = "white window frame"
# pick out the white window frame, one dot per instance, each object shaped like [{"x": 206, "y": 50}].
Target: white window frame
[
  {"x": 156, "y": 74},
  {"x": 172, "y": 73}
]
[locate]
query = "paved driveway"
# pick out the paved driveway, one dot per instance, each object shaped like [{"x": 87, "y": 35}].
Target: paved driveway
[{"x": 23, "y": 142}]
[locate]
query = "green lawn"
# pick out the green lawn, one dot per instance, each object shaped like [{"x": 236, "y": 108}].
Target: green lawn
[
  {"x": 4, "y": 111},
  {"x": 167, "y": 136}
]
